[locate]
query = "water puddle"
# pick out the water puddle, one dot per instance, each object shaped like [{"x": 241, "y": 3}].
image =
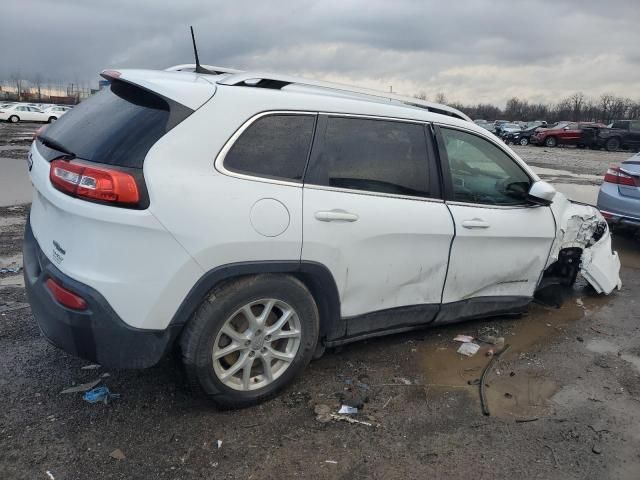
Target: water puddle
[
  {"x": 578, "y": 192},
  {"x": 553, "y": 173},
  {"x": 512, "y": 393},
  {"x": 628, "y": 249}
]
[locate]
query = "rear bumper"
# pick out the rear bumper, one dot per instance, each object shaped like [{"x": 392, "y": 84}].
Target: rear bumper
[
  {"x": 97, "y": 333},
  {"x": 616, "y": 208}
]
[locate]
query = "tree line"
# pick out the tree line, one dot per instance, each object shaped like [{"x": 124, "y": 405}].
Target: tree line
[{"x": 576, "y": 107}]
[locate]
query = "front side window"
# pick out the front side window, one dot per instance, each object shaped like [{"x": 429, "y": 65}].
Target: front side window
[
  {"x": 483, "y": 173},
  {"x": 372, "y": 155},
  {"x": 274, "y": 146}
]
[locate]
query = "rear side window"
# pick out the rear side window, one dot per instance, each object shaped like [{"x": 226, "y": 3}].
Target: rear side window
[
  {"x": 373, "y": 155},
  {"x": 274, "y": 146},
  {"x": 116, "y": 126}
]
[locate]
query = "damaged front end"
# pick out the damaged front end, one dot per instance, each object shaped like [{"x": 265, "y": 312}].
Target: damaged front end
[{"x": 582, "y": 245}]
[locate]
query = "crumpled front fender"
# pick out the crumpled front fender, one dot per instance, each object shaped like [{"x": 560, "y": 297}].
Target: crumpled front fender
[{"x": 582, "y": 226}]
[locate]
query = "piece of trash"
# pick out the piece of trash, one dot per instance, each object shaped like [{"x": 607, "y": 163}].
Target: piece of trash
[
  {"x": 348, "y": 410},
  {"x": 469, "y": 349},
  {"x": 331, "y": 461},
  {"x": 346, "y": 418},
  {"x": 219, "y": 444},
  {"x": 83, "y": 387},
  {"x": 403, "y": 381},
  {"x": 117, "y": 454},
  {"x": 463, "y": 338},
  {"x": 10, "y": 270},
  {"x": 100, "y": 394},
  {"x": 93, "y": 366},
  {"x": 105, "y": 375},
  {"x": 508, "y": 395},
  {"x": 580, "y": 339},
  {"x": 597, "y": 449},
  {"x": 490, "y": 352},
  {"x": 50, "y": 475}
]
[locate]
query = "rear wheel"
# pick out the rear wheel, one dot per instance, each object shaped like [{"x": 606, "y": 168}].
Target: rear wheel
[
  {"x": 14, "y": 119},
  {"x": 524, "y": 141},
  {"x": 551, "y": 142},
  {"x": 612, "y": 144},
  {"x": 250, "y": 338},
  {"x": 52, "y": 119}
]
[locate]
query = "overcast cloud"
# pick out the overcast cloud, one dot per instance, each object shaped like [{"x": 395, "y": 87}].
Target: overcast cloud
[{"x": 472, "y": 50}]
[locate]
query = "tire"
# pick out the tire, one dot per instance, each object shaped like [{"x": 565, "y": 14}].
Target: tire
[
  {"x": 551, "y": 142},
  {"x": 524, "y": 141},
  {"x": 14, "y": 119},
  {"x": 224, "y": 310},
  {"x": 52, "y": 119},
  {"x": 612, "y": 144}
]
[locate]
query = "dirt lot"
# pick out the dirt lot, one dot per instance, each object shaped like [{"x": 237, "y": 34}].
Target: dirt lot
[{"x": 564, "y": 399}]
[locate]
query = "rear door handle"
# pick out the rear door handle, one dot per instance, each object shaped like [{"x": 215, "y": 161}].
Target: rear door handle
[
  {"x": 336, "y": 216},
  {"x": 475, "y": 223}
]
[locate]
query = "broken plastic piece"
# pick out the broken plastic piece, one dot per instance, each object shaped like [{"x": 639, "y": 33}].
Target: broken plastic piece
[
  {"x": 469, "y": 349},
  {"x": 346, "y": 409},
  {"x": 100, "y": 394},
  {"x": 83, "y": 387}
]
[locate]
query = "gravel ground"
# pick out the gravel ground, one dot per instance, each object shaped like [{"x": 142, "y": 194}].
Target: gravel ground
[{"x": 564, "y": 399}]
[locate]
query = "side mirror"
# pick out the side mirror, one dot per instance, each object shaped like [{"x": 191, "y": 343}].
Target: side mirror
[{"x": 541, "y": 193}]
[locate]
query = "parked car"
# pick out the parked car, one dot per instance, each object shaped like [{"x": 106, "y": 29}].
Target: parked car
[
  {"x": 507, "y": 128},
  {"x": 128, "y": 252},
  {"x": 563, "y": 133},
  {"x": 488, "y": 126},
  {"x": 19, "y": 112},
  {"x": 622, "y": 134},
  {"x": 619, "y": 196},
  {"x": 522, "y": 137},
  {"x": 55, "y": 112}
]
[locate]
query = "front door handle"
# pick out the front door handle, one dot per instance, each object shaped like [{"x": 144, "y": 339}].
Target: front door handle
[
  {"x": 336, "y": 216},
  {"x": 475, "y": 223}
]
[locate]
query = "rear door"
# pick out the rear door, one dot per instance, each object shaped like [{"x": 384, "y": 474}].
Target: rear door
[
  {"x": 570, "y": 134},
  {"x": 502, "y": 242},
  {"x": 373, "y": 216}
]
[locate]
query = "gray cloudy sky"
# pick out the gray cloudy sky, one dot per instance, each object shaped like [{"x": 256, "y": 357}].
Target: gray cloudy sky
[{"x": 472, "y": 50}]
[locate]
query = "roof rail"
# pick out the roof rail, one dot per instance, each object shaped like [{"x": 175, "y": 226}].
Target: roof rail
[
  {"x": 190, "y": 67},
  {"x": 269, "y": 80}
]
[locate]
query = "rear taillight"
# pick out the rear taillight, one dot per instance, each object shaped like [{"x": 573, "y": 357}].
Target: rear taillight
[
  {"x": 65, "y": 297},
  {"x": 93, "y": 183},
  {"x": 617, "y": 176}
]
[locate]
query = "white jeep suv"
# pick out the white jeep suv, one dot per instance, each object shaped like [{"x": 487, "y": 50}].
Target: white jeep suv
[{"x": 250, "y": 220}]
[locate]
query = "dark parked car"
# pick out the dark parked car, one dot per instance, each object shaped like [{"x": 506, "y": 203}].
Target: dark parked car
[
  {"x": 522, "y": 138},
  {"x": 565, "y": 133},
  {"x": 622, "y": 134}
]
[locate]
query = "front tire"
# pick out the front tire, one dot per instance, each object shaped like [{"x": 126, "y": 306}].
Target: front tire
[
  {"x": 612, "y": 144},
  {"x": 524, "y": 141},
  {"x": 551, "y": 142},
  {"x": 250, "y": 338},
  {"x": 14, "y": 119},
  {"x": 52, "y": 119}
]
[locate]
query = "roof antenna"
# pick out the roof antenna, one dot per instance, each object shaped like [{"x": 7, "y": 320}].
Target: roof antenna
[{"x": 199, "y": 68}]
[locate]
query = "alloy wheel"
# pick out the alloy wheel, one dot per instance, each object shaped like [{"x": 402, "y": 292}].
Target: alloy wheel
[{"x": 256, "y": 344}]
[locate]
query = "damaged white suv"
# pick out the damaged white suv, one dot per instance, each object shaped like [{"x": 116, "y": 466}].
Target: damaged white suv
[{"x": 251, "y": 220}]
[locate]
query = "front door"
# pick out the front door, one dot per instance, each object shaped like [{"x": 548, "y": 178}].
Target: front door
[
  {"x": 372, "y": 215},
  {"x": 502, "y": 242}
]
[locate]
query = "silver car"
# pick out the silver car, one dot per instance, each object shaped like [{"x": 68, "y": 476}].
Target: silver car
[{"x": 619, "y": 197}]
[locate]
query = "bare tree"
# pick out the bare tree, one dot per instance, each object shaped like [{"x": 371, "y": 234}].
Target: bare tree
[
  {"x": 37, "y": 81},
  {"x": 16, "y": 80},
  {"x": 440, "y": 98},
  {"x": 421, "y": 96}
]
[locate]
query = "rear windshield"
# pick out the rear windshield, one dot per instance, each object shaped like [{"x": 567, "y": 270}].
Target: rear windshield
[{"x": 116, "y": 126}]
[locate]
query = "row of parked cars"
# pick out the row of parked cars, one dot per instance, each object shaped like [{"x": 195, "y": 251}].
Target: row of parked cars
[
  {"x": 623, "y": 134},
  {"x": 15, "y": 112}
]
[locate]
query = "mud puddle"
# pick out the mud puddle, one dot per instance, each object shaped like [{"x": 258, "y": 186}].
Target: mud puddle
[
  {"x": 518, "y": 387},
  {"x": 628, "y": 248}
]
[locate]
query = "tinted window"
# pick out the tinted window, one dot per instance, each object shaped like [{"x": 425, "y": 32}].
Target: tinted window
[
  {"x": 117, "y": 126},
  {"x": 275, "y": 146},
  {"x": 373, "y": 155},
  {"x": 635, "y": 125},
  {"x": 483, "y": 173}
]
